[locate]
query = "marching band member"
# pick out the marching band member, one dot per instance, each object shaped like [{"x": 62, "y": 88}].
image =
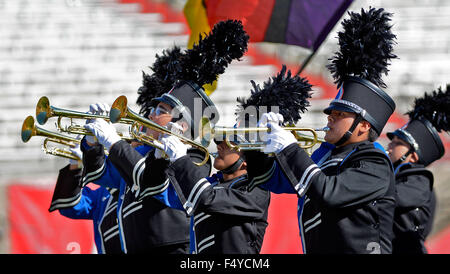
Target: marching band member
[
  {"x": 99, "y": 205},
  {"x": 228, "y": 216},
  {"x": 412, "y": 148},
  {"x": 346, "y": 189},
  {"x": 189, "y": 70}
]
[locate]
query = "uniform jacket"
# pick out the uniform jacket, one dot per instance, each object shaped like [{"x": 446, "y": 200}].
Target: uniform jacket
[
  {"x": 98, "y": 205},
  {"x": 145, "y": 224},
  {"x": 348, "y": 196},
  {"x": 416, "y": 202},
  {"x": 226, "y": 217}
]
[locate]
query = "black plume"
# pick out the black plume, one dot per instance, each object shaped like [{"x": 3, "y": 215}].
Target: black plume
[
  {"x": 435, "y": 108},
  {"x": 201, "y": 64},
  {"x": 209, "y": 58},
  {"x": 288, "y": 93},
  {"x": 162, "y": 79},
  {"x": 366, "y": 45}
]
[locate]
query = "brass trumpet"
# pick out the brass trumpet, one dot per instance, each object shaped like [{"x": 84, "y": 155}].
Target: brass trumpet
[
  {"x": 44, "y": 111},
  {"x": 209, "y": 132},
  {"x": 29, "y": 129},
  {"x": 120, "y": 111}
]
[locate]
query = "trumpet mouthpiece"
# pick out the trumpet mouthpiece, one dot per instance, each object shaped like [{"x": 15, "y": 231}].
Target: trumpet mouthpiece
[{"x": 323, "y": 129}]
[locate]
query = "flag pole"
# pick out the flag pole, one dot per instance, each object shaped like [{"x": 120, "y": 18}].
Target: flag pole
[{"x": 305, "y": 63}]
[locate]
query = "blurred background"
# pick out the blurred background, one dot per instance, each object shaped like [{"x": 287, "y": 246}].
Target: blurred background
[{"x": 79, "y": 52}]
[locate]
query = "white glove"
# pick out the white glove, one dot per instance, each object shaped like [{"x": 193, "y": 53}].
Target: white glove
[
  {"x": 175, "y": 128},
  {"x": 270, "y": 117},
  {"x": 173, "y": 147},
  {"x": 104, "y": 131},
  {"x": 98, "y": 109},
  {"x": 77, "y": 152},
  {"x": 159, "y": 151},
  {"x": 278, "y": 139}
]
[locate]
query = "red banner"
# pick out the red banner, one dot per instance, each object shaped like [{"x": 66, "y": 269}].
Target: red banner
[
  {"x": 282, "y": 234},
  {"x": 33, "y": 230}
]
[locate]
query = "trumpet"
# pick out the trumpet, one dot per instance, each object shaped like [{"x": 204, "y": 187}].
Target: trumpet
[
  {"x": 44, "y": 111},
  {"x": 120, "y": 110},
  {"x": 303, "y": 140},
  {"x": 29, "y": 129}
]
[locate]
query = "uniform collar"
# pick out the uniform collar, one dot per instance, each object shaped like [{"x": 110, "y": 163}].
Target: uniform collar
[
  {"x": 344, "y": 150},
  {"x": 407, "y": 166},
  {"x": 219, "y": 178}
]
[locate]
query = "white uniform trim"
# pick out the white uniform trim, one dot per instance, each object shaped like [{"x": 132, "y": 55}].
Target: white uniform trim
[
  {"x": 137, "y": 172},
  {"x": 65, "y": 202},
  {"x": 195, "y": 193},
  {"x": 94, "y": 175},
  {"x": 207, "y": 242}
]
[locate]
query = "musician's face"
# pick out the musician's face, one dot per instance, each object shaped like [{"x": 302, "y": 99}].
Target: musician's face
[
  {"x": 160, "y": 115},
  {"x": 397, "y": 148},
  {"x": 339, "y": 122},
  {"x": 226, "y": 156}
]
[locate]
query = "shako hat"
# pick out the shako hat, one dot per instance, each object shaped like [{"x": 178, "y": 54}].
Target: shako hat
[
  {"x": 430, "y": 115},
  {"x": 366, "y": 45},
  {"x": 201, "y": 65}
]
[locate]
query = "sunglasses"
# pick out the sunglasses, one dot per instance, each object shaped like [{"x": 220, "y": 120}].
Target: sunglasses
[{"x": 158, "y": 111}]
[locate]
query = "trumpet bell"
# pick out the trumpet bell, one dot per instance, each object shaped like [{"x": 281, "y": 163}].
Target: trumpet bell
[
  {"x": 43, "y": 110},
  {"x": 118, "y": 109},
  {"x": 206, "y": 132},
  {"x": 28, "y": 129}
]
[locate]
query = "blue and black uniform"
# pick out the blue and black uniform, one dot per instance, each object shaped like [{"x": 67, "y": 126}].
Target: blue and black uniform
[
  {"x": 416, "y": 205},
  {"x": 98, "y": 205},
  {"x": 346, "y": 195},
  {"x": 145, "y": 224}
]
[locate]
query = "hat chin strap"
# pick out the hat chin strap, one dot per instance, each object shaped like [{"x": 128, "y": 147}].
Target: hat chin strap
[
  {"x": 399, "y": 161},
  {"x": 349, "y": 132},
  {"x": 234, "y": 167}
]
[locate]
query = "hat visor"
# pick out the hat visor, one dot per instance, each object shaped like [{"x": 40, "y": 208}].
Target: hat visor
[
  {"x": 338, "y": 107},
  {"x": 399, "y": 134},
  {"x": 235, "y": 139},
  {"x": 164, "y": 99},
  {"x": 391, "y": 135}
]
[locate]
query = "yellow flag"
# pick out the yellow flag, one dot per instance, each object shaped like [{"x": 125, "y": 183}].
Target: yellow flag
[{"x": 195, "y": 14}]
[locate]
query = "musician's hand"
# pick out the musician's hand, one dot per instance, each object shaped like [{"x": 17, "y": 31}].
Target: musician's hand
[
  {"x": 278, "y": 139},
  {"x": 76, "y": 151},
  {"x": 175, "y": 128},
  {"x": 271, "y": 117},
  {"x": 173, "y": 147},
  {"x": 98, "y": 109},
  {"x": 104, "y": 131}
]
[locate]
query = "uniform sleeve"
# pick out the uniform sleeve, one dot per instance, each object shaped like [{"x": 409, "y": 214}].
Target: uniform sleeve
[
  {"x": 235, "y": 201},
  {"x": 169, "y": 198},
  {"x": 414, "y": 192},
  {"x": 86, "y": 206},
  {"x": 366, "y": 180},
  {"x": 67, "y": 189},
  {"x": 263, "y": 172},
  {"x": 146, "y": 175},
  {"x": 97, "y": 168},
  {"x": 188, "y": 179},
  {"x": 270, "y": 176}
]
